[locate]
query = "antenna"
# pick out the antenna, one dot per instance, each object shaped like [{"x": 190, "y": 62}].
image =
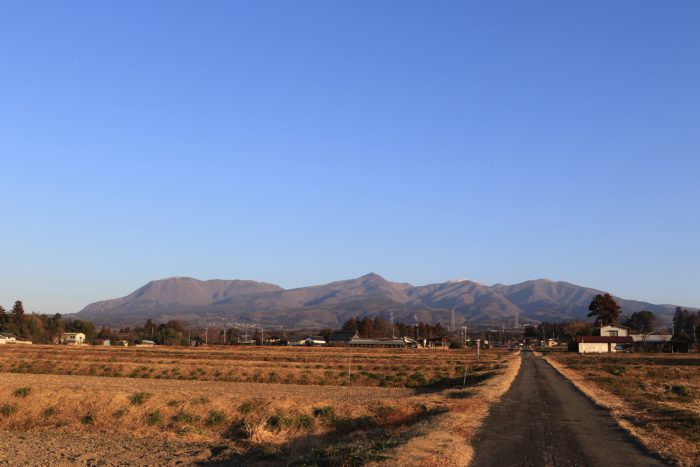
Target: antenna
[
  {"x": 415, "y": 318},
  {"x": 452, "y": 325},
  {"x": 391, "y": 321}
]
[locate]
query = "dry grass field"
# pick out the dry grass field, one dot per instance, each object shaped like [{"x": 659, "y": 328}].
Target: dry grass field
[
  {"x": 656, "y": 397},
  {"x": 296, "y": 365},
  {"x": 296, "y": 406}
]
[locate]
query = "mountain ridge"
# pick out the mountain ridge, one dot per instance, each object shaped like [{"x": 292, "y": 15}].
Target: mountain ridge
[{"x": 328, "y": 305}]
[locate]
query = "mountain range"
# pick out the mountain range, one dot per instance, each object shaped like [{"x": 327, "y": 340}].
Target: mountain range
[{"x": 241, "y": 302}]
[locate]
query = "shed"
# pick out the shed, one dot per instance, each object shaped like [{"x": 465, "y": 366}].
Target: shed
[
  {"x": 314, "y": 340},
  {"x": 602, "y": 344},
  {"x": 342, "y": 337}
]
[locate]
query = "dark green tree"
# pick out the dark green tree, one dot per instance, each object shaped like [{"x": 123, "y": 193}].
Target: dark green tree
[
  {"x": 4, "y": 319},
  {"x": 18, "y": 319},
  {"x": 642, "y": 321},
  {"x": 684, "y": 323},
  {"x": 605, "y": 309},
  {"x": 351, "y": 325}
]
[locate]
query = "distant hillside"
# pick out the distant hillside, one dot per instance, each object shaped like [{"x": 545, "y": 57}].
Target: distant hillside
[{"x": 242, "y": 301}]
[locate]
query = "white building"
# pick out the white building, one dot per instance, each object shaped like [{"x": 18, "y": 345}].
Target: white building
[
  {"x": 314, "y": 340},
  {"x": 603, "y": 344},
  {"x": 6, "y": 338},
  {"x": 614, "y": 330},
  {"x": 72, "y": 338}
]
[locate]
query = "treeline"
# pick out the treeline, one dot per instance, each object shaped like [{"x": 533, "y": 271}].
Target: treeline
[
  {"x": 175, "y": 332},
  {"x": 686, "y": 324},
  {"x": 379, "y": 327},
  {"x": 41, "y": 329}
]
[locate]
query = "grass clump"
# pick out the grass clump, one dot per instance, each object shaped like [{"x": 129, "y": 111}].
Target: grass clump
[
  {"x": 616, "y": 370},
  {"x": 87, "y": 419},
  {"x": 186, "y": 417},
  {"x": 215, "y": 418},
  {"x": 7, "y": 409},
  {"x": 139, "y": 398},
  {"x": 22, "y": 392},
  {"x": 298, "y": 422},
  {"x": 326, "y": 413},
  {"x": 50, "y": 412},
  {"x": 154, "y": 418}
]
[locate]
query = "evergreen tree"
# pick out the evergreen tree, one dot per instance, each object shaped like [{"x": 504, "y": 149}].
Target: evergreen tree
[
  {"x": 642, "y": 321},
  {"x": 18, "y": 319},
  {"x": 4, "y": 319}
]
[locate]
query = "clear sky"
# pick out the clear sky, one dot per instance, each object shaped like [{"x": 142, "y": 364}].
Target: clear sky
[{"x": 304, "y": 142}]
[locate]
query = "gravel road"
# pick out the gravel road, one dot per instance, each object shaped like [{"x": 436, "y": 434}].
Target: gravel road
[{"x": 544, "y": 421}]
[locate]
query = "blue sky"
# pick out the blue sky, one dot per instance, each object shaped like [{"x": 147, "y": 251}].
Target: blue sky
[{"x": 304, "y": 142}]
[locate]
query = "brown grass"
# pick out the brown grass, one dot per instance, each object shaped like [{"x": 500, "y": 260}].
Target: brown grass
[
  {"x": 327, "y": 419},
  {"x": 447, "y": 440},
  {"x": 299, "y": 365},
  {"x": 655, "y": 397}
]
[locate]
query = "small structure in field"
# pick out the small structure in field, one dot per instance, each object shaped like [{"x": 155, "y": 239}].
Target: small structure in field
[
  {"x": 681, "y": 344},
  {"x": 549, "y": 343},
  {"x": 104, "y": 342},
  {"x": 146, "y": 343},
  {"x": 396, "y": 343},
  {"x": 7, "y": 338},
  {"x": 340, "y": 338},
  {"x": 314, "y": 341},
  {"x": 652, "y": 342},
  {"x": 436, "y": 342},
  {"x": 602, "y": 344},
  {"x": 72, "y": 338},
  {"x": 353, "y": 339},
  {"x": 120, "y": 343}
]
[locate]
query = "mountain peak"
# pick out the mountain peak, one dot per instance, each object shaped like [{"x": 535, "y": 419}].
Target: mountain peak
[{"x": 372, "y": 275}]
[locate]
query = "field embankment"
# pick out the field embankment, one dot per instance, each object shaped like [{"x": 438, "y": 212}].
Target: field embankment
[{"x": 655, "y": 397}]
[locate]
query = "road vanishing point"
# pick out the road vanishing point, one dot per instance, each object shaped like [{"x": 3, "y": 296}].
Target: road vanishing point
[{"x": 543, "y": 420}]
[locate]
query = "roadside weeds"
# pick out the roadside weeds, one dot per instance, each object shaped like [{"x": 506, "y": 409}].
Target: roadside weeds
[{"x": 448, "y": 439}]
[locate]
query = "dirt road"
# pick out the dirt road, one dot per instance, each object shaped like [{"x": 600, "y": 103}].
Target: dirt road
[{"x": 544, "y": 421}]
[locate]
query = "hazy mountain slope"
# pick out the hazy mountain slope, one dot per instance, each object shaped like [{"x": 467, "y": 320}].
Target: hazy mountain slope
[
  {"x": 222, "y": 301},
  {"x": 181, "y": 292}
]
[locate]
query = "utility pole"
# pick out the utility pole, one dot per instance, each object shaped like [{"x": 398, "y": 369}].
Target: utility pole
[{"x": 478, "y": 351}]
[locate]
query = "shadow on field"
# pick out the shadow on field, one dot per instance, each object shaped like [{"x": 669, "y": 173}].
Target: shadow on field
[
  {"x": 352, "y": 441},
  {"x": 450, "y": 383}
]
